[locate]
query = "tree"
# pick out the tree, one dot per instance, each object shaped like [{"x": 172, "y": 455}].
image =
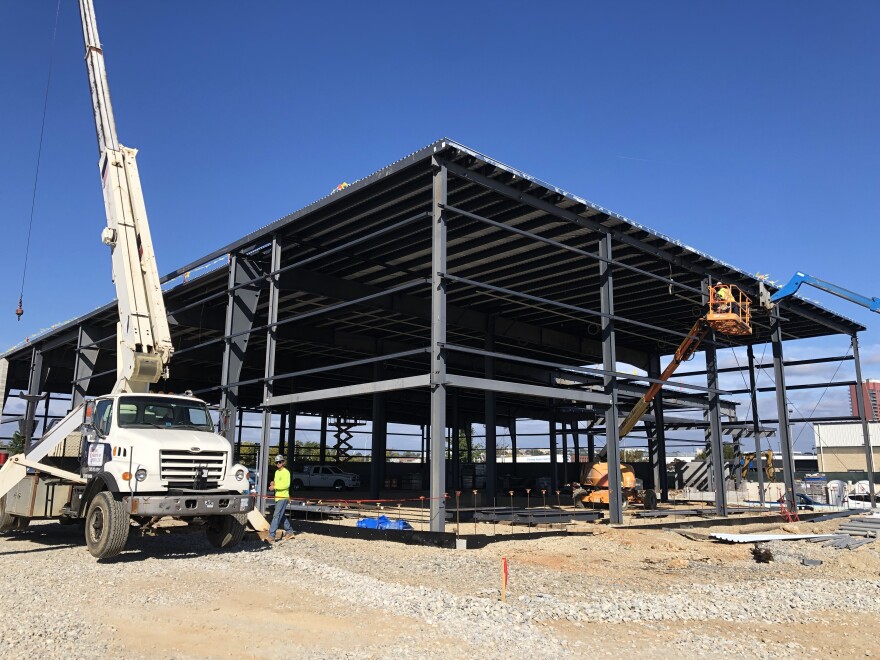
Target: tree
[
  {"x": 633, "y": 456},
  {"x": 729, "y": 452},
  {"x": 16, "y": 444}
]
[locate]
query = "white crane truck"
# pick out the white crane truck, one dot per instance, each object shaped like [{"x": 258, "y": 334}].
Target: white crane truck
[{"x": 129, "y": 459}]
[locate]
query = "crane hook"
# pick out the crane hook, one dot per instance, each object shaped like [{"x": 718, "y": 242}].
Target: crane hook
[{"x": 19, "y": 311}]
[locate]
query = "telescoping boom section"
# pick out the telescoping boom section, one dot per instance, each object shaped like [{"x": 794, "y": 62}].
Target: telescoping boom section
[{"x": 144, "y": 341}]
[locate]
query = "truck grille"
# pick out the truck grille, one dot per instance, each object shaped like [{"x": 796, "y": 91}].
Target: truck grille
[{"x": 180, "y": 468}]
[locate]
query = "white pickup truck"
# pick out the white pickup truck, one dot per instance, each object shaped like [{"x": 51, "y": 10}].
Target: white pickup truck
[{"x": 323, "y": 476}]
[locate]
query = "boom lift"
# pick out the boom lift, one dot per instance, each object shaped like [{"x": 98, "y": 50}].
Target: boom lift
[
  {"x": 729, "y": 313},
  {"x": 137, "y": 457}
]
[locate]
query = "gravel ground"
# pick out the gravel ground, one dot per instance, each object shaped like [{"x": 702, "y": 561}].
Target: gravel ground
[{"x": 606, "y": 594}]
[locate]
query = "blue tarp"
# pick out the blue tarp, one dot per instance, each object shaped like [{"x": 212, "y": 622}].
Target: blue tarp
[{"x": 382, "y": 522}]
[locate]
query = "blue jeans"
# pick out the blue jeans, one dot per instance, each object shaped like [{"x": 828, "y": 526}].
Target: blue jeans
[{"x": 278, "y": 516}]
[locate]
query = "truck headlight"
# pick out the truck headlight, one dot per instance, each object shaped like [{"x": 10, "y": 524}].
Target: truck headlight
[
  {"x": 140, "y": 474},
  {"x": 239, "y": 475}
]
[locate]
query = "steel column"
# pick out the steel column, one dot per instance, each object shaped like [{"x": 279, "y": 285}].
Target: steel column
[
  {"x": 782, "y": 412},
  {"x": 268, "y": 385},
  {"x": 86, "y": 359},
  {"x": 379, "y": 441},
  {"x": 490, "y": 418},
  {"x": 658, "y": 455},
  {"x": 511, "y": 430},
  {"x": 609, "y": 363},
  {"x": 438, "y": 353},
  {"x": 554, "y": 463},
  {"x": 241, "y": 306},
  {"x": 36, "y": 382},
  {"x": 716, "y": 442},
  {"x": 756, "y": 423},
  {"x": 322, "y": 440},
  {"x": 860, "y": 406}
]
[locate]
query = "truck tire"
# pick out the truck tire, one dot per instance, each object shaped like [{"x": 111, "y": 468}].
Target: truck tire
[
  {"x": 226, "y": 531},
  {"x": 339, "y": 485},
  {"x": 7, "y": 520},
  {"x": 650, "y": 499},
  {"x": 20, "y": 523},
  {"x": 107, "y": 525},
  {"x": 297, "y": 484}
]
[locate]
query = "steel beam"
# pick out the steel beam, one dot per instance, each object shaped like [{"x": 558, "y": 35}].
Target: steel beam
[
  {"x": 782, "y": 412},
  {"x": 269, "y": 372},
  {"x": 350, "y": 390},
  {"x": 508, "y": 387},
  {"x": 609, "y": 363},
  {"x": 438, "y": 352},
  {"x": 860, "y": 407},
  {"x": 554, "y": 463}
]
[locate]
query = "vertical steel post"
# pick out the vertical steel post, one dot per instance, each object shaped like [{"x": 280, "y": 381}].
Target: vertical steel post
[
  {"x": 554, "y": 463},
  {"x": 591, "y": 447},
  {"x": 322, "y": 440},
  {"x": 438, "y": 350},
  {"x": 511, "y": 429},
  {"x": 84, "y": 367},
  {"x": 490, "y": 420},
  {"x": 379, "y": 441},
  {"x": 291, "y": 435},
  {"x": 609, "y": 364},
  {"x": 756, "y": 423},
  {"x": 716, "y": 441},
  {"x": 658, "y": 456},
  {"x": 269, "y": 372},
  {"x": 715, "y": 437},
  {"x": 782, "y": 412},
  {"x": 860, "y": 407},
  {"x": 575, "y": 436},
  {"x": 36, "y": 381}
]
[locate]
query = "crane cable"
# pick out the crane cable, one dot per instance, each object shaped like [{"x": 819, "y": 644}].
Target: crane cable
[{"x": 20, "y": 310}]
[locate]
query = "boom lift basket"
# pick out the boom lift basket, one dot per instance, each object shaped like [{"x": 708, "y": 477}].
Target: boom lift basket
[{"x": 730, "y": 310}]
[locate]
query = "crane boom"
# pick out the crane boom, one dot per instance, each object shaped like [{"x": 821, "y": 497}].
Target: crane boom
[
  {"x": 795, "y": 282},
  {"x": 144, "y": 340}
]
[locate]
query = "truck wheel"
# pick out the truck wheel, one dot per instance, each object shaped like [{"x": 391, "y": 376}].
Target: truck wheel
[
  {"x": 339, "y": 485},
  {"x": 650, "y": 499},
  {"x": 20, "y": 523},
  {"x": 107, "y": 525},
  {"x": 7, "y": 520},
  {"x": 226, "y": 531},
  {"x": 297, "y": 484}
]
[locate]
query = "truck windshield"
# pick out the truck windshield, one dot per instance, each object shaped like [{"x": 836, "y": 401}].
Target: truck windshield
[{"x": 164, "y": 413}]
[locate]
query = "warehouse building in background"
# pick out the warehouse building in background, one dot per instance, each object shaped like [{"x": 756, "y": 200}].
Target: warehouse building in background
[{"x": 841, "y": 447}]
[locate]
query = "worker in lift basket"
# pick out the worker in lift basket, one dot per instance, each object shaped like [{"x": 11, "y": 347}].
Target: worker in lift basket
[
  {"x": 723, "y": 299},
  {"x": 281, "y": 486}
]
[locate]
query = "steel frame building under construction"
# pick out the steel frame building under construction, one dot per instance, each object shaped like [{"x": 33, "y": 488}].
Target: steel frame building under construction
[{"x": 445, "y": 290}]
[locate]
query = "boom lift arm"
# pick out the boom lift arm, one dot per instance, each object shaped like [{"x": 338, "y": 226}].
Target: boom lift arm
[
  {"x": 729, "y": 313},
  {"x": 144, "y": 340},
  {"x": 768, "y": 301}
]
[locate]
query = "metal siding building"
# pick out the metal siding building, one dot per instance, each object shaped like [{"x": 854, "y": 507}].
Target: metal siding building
[{"x": 841, "y": 447}]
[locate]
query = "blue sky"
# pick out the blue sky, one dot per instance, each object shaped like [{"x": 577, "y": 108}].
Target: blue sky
[{"x": 748, "y": 130}]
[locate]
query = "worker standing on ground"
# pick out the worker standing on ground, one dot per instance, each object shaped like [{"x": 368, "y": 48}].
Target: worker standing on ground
[{"x": 281, "y": 486}]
